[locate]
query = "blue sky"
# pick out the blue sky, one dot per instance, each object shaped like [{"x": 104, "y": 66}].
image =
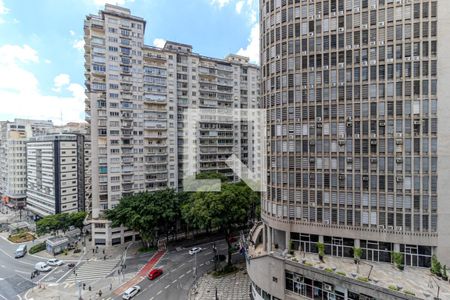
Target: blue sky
[{"x": 41, "y": 53}]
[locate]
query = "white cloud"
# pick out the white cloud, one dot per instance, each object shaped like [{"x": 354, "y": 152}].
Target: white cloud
[
  {"x": 252, "y": 49},
  {"x": 21, "y": 97},
  {"x": 60, "y": 81},
  {"x": 72, "y": 33},
  {"x": 3, "y": 9},
  {"x": 239, "y": 6},
  {"x": 159, "y": 42},
  {"x": 78, "y": 44},
  {"x": 115, "y": 2},
  {"x": 220, "y": 3},
  {"x": 48, "y": 61}
]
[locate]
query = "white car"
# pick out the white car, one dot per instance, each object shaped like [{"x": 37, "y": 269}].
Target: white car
[
  {"x": 131, "y": 292},
  {"x": 195, "y": 250},
  {"x": 55, "y": 262},
  {"x": 42, "y": 267}
]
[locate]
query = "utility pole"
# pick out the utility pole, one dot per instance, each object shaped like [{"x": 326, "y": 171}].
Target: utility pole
[{"x": 195, "y": 265}]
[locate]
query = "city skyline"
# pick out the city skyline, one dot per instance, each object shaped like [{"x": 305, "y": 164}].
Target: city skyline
[{"x": 53, "y": 78}]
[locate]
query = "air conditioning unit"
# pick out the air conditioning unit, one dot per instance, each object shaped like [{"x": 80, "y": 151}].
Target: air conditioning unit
[
  {"x": 319, "y": 119},
  {"x": 305, "y": 87},
  {"x": 364, "y": 26},
  {"x": 349, "y": 160},
  {"x": 304, "y": 52},
  {"x": 399, "y": 135},
  {"x": 357, "y": 136},
  {"x": 334, "y": 14},
  {"x": 408, "y": 58},
  {"x": 381, "y": 43},
  {"x": 325, "y": 67},
  {"x": 349, "y": 47},
  {"x": 312, "y": 142},
  {"x": 341, "y": 29},
  {"x": 305, "y": 220},
  {"x": 341, "y": 12},
  {"x": 349, "y": 124},
  {"x": 399, "y": 160},
  {"x": 311, "y": 86},
  {"x": 318, "y": 16},
  {"x": 373, "y": 135},
  {"x": 341, "y": 176},
  {"x": 311, "y": 34},
  {"x": 382, "y": 123},
  {"x": 373, "y": 7},
  {"x": 381, "y": 227},
  {"x": 365, "y": 178},
  {"x": 399, "y": 228},
  {"x": 373, "y": 160},
  {"x": 390, "y": 227},
  {"x": 334, "y": 84},
  {"x": 364, "y": 63},
  {"x": 349, "y": 119},
  {"x": 327, "y": 287},
  {"x": 311, "y": 160},
  {"x": 373, "y": 62},
  {"x": 356, "y": 46},
  {"x": 373, "y": 43},
  {"x": 341, "y": 142},
  {"x": 380, "y": 24},
  {"x": 356, "y": 9},
  {"x": 416, "y": 122},
  {"x": 399, "y": 142},
  {"x": 319, "y": 125},
  {"x": 326, "y": 222},
  {"x": 342, "y": 136},
  {"x": 390, "y": 60},
  {"x": 399, "y": 179},
  {"x": 341, "y": 83},
  {"x": 341, "y": 65}
]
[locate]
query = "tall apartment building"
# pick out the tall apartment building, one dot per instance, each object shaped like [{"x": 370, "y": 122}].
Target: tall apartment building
[
  {"x": 354, "y": 92},
  {"x": 56, "y": 166},
  {"x": 13, "y": 138},
  {"x": 136, "y": 98}
]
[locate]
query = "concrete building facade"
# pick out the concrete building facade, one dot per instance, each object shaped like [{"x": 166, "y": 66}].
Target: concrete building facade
[
  {"x": 357, "y": 104},
  {"x": 13, "y": 138},
  {"x": 56, "y": 167},
  {"x": 137, "y": 95}
]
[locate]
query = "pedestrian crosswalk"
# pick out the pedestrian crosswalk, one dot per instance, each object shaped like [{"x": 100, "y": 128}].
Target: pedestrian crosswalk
[{"x": 92, "y": 270}]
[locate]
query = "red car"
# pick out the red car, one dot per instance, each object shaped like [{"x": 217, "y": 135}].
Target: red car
[{"x": 154, "y": 273}]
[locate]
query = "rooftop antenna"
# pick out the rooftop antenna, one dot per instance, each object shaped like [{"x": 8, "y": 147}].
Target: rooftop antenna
[{"x": 61, "y": 118}]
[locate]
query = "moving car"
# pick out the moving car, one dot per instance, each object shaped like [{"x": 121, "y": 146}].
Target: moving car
[
  {"x": 131, "y": 292},
  {"x": 55, "y": 262},
  {"x": 70, "y": 265},
  {"x": 154, "y": 273},
  {"x": 21, "y": 251},
  {"x": 195, "y": 250},
  {"x": 42, "y": 267}
]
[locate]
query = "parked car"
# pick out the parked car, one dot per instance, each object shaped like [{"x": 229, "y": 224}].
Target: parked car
[
  {"x": 154, "y": 273},
  {"x": 42, "y": 267},
  {"x": 131, "y": 292},
  {"x": 55, "y": 262},
  {"x": 70, "y": 265},
  {"x": 195, "y": 250},
  {"x": 21, "y": 251}
]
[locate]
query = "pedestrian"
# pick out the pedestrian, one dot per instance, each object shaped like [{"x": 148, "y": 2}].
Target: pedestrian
[
  {"x": 93, "y": 250},
  {"x": 89, "y": 288},
  {"x": 104, "y": 257},
  {"x": 110, "y": 286},
  {"x": 103, "y": 251},
  {"x": 100, "y": 293}
]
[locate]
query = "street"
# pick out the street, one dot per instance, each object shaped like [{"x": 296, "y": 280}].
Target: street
[{"x": 178, "y": 273}]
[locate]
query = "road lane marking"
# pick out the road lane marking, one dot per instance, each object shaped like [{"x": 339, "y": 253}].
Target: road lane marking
[
  {"x": 181, "y": 276},
  {"x": 152, "y": 298},
  {"x": 174, "y": 281},
  {"x": 202, "y": 265},
  {"x": 17, "y": 260},
  {"x": 46, "y": 275},
  {"x": 188, "y": 271},
  {"x": 167, "y": 286},
  {"x": 158, "y": 293}
]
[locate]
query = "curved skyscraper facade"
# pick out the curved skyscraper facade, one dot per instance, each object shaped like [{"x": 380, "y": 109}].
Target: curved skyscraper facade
[{"x": 357, "y": 112}]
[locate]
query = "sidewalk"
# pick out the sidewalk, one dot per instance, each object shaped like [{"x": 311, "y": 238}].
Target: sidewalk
[
  {"x": 231, "y": 287},
  {"x": 70, "y": 291}
]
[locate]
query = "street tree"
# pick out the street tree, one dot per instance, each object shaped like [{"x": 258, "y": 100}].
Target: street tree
[{"x": 225, "y": 210}]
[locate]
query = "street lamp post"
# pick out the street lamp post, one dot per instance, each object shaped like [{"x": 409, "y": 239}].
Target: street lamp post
[
  {"x": 195, "y": 265},
  {"x": 76, "y": 275}
]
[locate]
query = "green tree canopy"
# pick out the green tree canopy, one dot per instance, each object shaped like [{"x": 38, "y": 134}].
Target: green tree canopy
[{"x": 225, "y": 210}]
